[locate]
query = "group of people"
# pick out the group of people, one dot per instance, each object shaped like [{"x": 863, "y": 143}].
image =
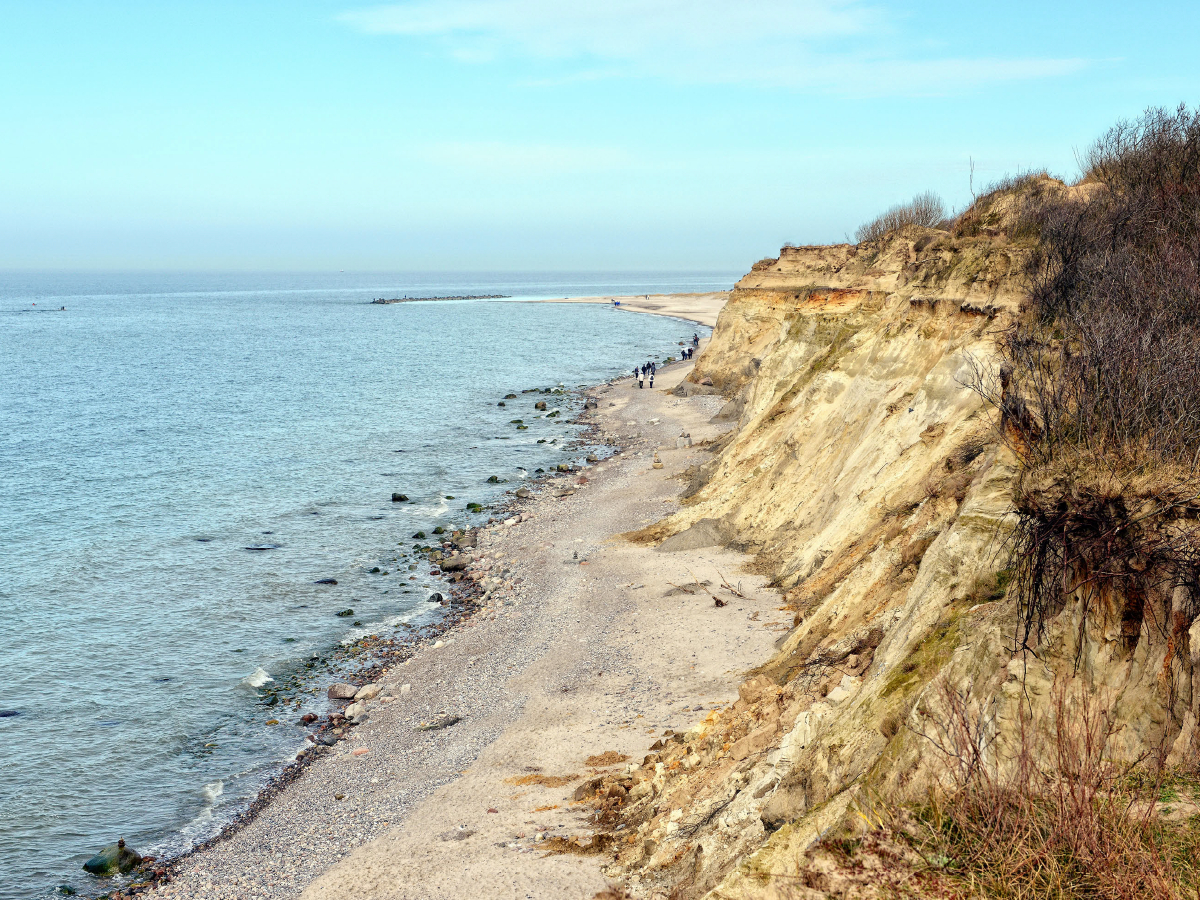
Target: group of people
[{"x": 640, "y": 373}]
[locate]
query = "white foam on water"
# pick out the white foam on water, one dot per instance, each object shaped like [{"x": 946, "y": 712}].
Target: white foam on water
[
  {"x": 213, "y": 790},
  {"x": 257, "y": 678}
]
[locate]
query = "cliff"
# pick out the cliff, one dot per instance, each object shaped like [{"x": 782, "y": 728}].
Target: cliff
[{"x": 866, "y": 476}]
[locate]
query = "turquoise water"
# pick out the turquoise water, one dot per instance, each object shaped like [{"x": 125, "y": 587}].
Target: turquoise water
[{"x": 158, "y": 427}]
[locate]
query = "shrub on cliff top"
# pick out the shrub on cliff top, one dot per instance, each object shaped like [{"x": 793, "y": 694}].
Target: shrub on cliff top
[
  {"x": 925, "y": 210},
  {"x": 1098, "y": 384}
]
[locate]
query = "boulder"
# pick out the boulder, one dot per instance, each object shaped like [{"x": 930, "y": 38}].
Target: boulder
[
  {"x": 541, "y": 404},
  {"x": 368, "y": 692},
  {"x": 113, "y": 859},
  {"x": 753, "y": 743},
  {"x": 399, "y": 498},
  {"x": 342, "y": 691},
  {"x": 356, "y": 711},
  {"x": 455, "y": 563},
  {"x": 523, "y": 493},
  {"x": 591, "y": 403}
]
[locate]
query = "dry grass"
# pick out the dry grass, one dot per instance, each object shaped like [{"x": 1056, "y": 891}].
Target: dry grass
[
  {"x": 607, "y": 758},
  {"x": 1073, "y": 825},
  {"x": 543, "y": 780}
]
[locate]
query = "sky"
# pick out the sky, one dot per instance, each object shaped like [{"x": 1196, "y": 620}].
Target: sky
[{"x": 538, "y": 134}]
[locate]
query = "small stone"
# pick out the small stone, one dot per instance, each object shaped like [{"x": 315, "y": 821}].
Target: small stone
[
  {"x": 439, "y": 645},
  {"x": 405, "y": 689},
  {"x": 360, "y": 751},
  {"x": 326, "y": 581},
  {"x": 540, "y": 405},
  {"x": 345, "y": 614},
  {"x": 308, "y": 718},
  {"x": 523, "y": 493},
  {"x": 356, "y": 712}
]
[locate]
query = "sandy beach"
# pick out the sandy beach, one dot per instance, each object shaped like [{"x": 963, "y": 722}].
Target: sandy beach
[
  {"x": 586, "y": 646},
  {"x": 702, "y": 307}
]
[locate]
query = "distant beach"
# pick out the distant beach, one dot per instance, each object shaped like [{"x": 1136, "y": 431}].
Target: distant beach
[{"x": 700, "y": 307}]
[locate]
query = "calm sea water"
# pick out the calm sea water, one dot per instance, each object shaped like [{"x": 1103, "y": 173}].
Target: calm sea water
[{"x": 162, "y": 424}]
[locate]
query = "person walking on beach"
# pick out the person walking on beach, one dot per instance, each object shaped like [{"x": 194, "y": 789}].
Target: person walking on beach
[
  {"x": 651, "y": 375},
  {"x": 695, "y": 339},
  {"x": 641, "y": 377}
]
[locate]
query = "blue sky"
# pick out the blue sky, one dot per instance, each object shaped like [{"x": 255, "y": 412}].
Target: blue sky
[{"x": 537, "y": 134}]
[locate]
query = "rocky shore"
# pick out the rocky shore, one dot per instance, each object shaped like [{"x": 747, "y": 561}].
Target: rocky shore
[{"x": 559, "y": 657}]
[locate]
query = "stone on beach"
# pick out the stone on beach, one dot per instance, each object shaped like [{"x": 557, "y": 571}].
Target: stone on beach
[
  {"x": 368, "y": 691},
  {"x": 113, "y": 859},
  {"x": 455, "y": 563},
  {"x": 342, "y": 691}
]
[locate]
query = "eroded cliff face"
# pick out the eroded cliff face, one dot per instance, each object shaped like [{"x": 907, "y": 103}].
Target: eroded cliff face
[{"x": 865, "y": 476}]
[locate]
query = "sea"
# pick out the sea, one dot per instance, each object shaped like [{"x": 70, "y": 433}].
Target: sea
[{"x": 182, "y": 457}]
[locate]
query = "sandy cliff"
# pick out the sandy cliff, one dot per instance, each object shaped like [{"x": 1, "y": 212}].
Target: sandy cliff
[{"x": 865, "y": 476}]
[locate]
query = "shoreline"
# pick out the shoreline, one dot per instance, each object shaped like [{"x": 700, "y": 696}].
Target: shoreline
[{"x": 220, "y": 864}]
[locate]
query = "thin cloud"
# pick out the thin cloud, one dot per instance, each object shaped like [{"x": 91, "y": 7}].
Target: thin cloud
[{"x": 835, "y": 46}]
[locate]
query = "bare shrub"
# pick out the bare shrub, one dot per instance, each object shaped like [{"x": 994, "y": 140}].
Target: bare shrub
[
  {"x": 1067, "y": 822},
  {"x": 925, "y": 210},
  {"x": 1098, "y": 383}
]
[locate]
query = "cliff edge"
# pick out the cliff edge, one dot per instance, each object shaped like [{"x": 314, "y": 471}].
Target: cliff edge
[{"x": 867, "y": 476}]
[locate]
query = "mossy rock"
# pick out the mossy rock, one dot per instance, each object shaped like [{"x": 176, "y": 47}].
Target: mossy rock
[
  {"x": 345, "y": 614},
  {"x": 112, "y": 860}
]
